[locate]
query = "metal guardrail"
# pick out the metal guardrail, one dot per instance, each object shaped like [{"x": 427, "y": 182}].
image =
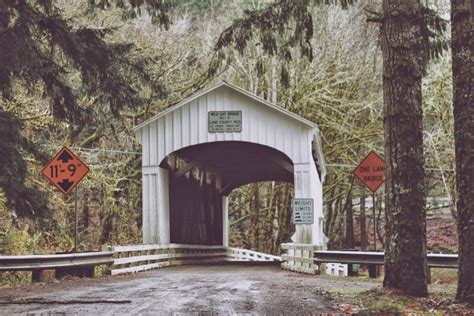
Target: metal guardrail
[
  {"x": 305, "y": 258},
  {"x": 127, "y": 259},
  {"x": 44, "y": 262},
  {"x": 377, "y": 258}
]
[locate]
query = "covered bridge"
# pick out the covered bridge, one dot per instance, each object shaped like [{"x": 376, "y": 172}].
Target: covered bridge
[{"x": 196, "y": 152}]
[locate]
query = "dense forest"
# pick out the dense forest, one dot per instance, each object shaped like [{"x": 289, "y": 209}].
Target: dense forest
[{"x": 84, "y": 73}]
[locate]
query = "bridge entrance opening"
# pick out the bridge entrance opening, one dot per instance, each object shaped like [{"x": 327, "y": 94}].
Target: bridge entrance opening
[
  {"x": 260, "y": 216},
  {"x": 201, "y": 178},
  {"x": 196, "y": 152}
]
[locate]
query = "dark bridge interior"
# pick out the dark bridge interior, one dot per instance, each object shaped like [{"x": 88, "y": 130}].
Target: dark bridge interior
[{"x": 200, "y": 175}]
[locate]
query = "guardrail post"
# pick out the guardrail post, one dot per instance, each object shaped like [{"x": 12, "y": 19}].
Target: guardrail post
[
  {"x": 374, "y": 271},
  {"x": 36, "y": 275},
  {"x": 108, "y": 268},
  {"x": 83, "y": 271},
  {"x": 299, "y": 258}
]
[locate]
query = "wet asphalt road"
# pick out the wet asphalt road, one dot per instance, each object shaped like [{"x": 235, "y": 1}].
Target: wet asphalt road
[{"x": 215, "y": 289}]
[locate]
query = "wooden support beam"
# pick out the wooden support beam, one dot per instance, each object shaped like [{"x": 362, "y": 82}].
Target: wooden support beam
[
  {"x": 186, "y": 168},
  {"x": 277, "y": 160},
  {"x": 226, "y": 187}
]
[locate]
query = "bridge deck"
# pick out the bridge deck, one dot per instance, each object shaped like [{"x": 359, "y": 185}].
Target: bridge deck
[{"x": 229, "y": 288}]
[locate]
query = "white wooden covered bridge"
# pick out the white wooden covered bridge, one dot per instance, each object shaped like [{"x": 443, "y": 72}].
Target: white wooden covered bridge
[{"x": 196, "y": 152}]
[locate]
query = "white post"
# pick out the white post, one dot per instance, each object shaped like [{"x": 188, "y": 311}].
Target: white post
[
  {"x": 225, "y": 221},
  {"x": 308, "y": 186},
  {"x": 163, "y": 208}
]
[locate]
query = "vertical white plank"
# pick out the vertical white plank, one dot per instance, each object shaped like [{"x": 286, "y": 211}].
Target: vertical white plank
[
  {"x": 225, "y": 221},
  {"x": 246, "y": 114},
  {"x": 152, "y": 221},
  {"x": 280, "y": 140},
  {"x": 202, "y": 104},
  {"x": 212, "y": 99},
  {"x": 234, "y": 106},
  {"x": 217, "y": 102},
  {"x": 264, "y": 117},
  {"x": 146, "y": 210},
  {"x": 163, "y": 209},
  {"x": 177, "y": 121},
  {"x": 161, "y": 139},
  {"x": 146, "y": 145},
  {"x": 270, "y": 132},
  {"x": 227, "y": 106},
  {"x": 288, "y": 139},
  {"x": 253, "y": 130},
  {"x": 153, "y": 144},
  {"x": 194, "y": 122},
  {"x": 169, "y": 134},
  {"x": 185, "y": 126},
  {"x": 295, "y": 140}
]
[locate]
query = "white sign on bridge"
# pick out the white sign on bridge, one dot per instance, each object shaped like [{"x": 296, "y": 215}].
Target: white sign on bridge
[
  {"x": 303, "y": 210},
  {"x": 225, "y": 121}
]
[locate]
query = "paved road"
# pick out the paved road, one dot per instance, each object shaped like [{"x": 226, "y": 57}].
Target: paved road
[{"x": 223, "y": 289}]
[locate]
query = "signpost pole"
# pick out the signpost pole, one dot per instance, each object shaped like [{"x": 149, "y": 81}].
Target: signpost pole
[
  {"x": 65, "y": 171},
  {"x": 75, "y": 219},
  {"x": 375, "y": 221}
]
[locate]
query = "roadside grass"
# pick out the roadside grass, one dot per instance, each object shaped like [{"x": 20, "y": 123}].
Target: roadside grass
[
  {"x": 444, "y": 276},
  {"x": 8, "y": 279},
  {"x": 382, "y": 302},
  {"x": 357, "y": 299}
]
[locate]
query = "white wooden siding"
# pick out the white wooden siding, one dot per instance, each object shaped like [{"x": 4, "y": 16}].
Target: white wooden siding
[{"x": 188, "y": 126}]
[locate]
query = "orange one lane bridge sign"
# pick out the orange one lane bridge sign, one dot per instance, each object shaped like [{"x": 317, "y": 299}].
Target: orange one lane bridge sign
[{"x": 371, "y": 171}]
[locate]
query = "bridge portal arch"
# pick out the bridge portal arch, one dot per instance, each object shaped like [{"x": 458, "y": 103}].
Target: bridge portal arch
[{"x": 196, "y": 152}]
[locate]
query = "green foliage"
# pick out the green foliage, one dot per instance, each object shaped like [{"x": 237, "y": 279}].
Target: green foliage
[
  {"x": 42, "y": 50},
  {"x": 279, "y": 27},
  {"x": 14, "y": 240},
  {"x": 128, "y": 65},
  {"x": 260, "y": 216},
  {"x": 13, "y": 168},
  {"x": 158, "y": 10}
]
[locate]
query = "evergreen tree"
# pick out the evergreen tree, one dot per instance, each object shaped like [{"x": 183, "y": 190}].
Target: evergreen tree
[
  {"x": 462, "y": 19},
  {"x": 41, "y": 50},
  {"x": 405, "y": 217},
  {"x": 411, "y": 35}
]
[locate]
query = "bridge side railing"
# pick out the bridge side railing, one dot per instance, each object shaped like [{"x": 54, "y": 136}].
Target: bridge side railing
[
  {"x": 238, "y": 254},
  {"x": 300, "y": 258},
  {"x": 129, "y": 259}
]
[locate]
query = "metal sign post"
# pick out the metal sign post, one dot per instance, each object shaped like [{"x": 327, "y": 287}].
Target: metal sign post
[
  {"x": 65, "y": 171},
  {"x": 371, "y": 172},
  {"x": 375, "y": 222},
  {"x": 75, "y": 219}
]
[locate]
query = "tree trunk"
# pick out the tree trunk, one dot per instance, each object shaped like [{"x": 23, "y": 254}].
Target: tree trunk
[
  {"x": 284, "y": 217},
  {"x": 254, "y": 210},
  {"x": 363, "y": 226},
  {"x": 379, "y": 204},
  {"x": 462, "y": 15},
  {"x": 349, "y": 223},
  {"x": 405, "y": 217}
]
